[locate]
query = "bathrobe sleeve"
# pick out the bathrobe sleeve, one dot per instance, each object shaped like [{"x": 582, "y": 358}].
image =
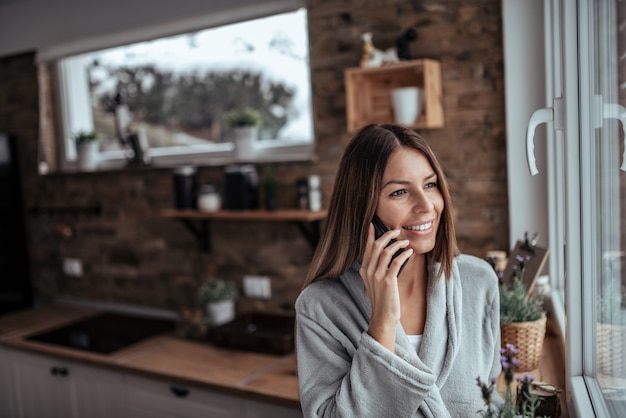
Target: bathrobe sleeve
[
  {"x": 494, "y": 316},
  {"x": 343, "y": 371}
]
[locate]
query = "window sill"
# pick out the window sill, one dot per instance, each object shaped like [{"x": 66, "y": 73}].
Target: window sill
[{"x": 111, "y": 161}]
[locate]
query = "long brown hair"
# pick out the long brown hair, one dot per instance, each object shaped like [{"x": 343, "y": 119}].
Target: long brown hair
[{"x": 355, "y": 196}]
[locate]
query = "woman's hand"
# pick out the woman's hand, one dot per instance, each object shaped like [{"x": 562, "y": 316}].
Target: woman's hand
[{"x": 380, "y": 275}]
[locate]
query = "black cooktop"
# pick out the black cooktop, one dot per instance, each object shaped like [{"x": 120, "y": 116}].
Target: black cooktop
[{"x": 104, "y": 333}]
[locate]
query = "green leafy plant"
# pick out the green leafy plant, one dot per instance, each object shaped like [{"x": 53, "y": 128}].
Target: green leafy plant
[
  {"x": 84, "y": 137},
  {"x": 217, "y": 290},
  {"x": 245, "y": 117},
  {"x": 517, "y": 306}
]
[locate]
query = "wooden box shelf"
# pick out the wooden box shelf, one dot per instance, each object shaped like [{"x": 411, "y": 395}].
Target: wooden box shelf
[{"x": 368, "y": 97}]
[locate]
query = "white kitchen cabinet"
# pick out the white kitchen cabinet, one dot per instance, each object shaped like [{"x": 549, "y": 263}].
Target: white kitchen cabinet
[
  {"x": 44, "y": 386},
  {"x": 149, "y": 398},
  {"x": 7, "y": 395},
  {"x": 48, "y": 387},
  {"x": 256, "y": 409}
]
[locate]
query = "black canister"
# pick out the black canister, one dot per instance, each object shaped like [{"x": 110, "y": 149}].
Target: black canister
[
  {"x": 185, "y": 187},
  {"x": 242, "y": 185}
]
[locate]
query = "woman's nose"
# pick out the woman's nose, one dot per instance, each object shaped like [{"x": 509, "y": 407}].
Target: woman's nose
[{"x": 422, "y": 203}]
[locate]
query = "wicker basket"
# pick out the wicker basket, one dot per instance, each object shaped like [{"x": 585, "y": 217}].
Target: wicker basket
[
  {"x": 612, "y": 350},
  {"x": 527, "y": 337}
]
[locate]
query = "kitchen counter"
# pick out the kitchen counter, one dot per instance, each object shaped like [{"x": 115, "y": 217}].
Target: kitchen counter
[{"x": 258, "y": 376}]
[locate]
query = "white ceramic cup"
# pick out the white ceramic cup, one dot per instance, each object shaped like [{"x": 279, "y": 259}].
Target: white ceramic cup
[{"x": 407, "y": 104}]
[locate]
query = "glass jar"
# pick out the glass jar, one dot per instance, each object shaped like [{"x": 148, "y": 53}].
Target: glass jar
[{"x": 209, "y": 199}]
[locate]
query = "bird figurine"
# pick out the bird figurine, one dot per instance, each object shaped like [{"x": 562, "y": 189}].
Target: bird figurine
[{"x": 374, "y": 57}]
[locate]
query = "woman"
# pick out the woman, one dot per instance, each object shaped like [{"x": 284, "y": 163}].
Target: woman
[{"x": 370, "y": 342}]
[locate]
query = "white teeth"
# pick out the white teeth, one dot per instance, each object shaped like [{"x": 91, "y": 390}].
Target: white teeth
[{"x": 423, "y": 227}]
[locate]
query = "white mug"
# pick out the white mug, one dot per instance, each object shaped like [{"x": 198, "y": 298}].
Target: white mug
[{"x": 407, "y": 104}]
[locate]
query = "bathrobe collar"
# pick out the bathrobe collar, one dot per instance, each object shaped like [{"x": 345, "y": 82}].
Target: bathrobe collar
[{"x": 440, "y": 341}]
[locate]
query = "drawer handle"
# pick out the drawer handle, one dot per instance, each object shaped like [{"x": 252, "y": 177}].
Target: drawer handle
[
  {"x": 179, "y": 391},
  {"x": 59, "y": 371}
]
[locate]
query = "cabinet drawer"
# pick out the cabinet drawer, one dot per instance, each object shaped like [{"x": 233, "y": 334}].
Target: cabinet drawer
[{"x": 160, "y": 398}]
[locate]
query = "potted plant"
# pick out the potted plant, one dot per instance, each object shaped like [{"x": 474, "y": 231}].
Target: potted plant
[
  {"x": 611, "y": 327},
  {"x": 87, "y": 149},
  {"x": 522, "y": 320},
  {"x": 245, "y": 125},
  {"x": 217, "y": 297},
  {"x": 530, "y": 399}
]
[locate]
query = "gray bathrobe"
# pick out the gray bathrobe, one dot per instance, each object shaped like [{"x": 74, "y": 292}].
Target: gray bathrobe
[{"x": 344, "y": 372}]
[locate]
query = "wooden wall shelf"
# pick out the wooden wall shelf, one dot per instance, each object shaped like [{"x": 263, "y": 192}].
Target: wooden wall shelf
[
  {"x": 368, "y": 97},
  {"x": 198, "y": 222}
]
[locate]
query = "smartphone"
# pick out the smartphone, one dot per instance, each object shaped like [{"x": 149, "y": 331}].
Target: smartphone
[{"x": 380, "y": 229}]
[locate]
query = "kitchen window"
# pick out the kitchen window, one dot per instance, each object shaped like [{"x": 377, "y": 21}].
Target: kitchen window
[{"x": 174, "y": 92}]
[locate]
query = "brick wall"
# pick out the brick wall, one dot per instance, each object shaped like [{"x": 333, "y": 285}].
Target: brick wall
[{"x": 131, "y": 255}]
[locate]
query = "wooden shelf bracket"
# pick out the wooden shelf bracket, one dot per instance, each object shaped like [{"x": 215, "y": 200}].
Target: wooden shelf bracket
[
  {"x": 199, "y": 224},
  {"x": 311, "y": 231},
  {"x": 201, "y": 231}
]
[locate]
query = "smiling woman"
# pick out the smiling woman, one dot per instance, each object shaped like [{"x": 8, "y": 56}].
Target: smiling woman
[
  {"x": 169, "y": 97},
  {"x": 422, "y": 334}
]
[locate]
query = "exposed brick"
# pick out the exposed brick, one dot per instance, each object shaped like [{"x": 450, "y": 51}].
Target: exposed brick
[{"x": 131, "y": 255}]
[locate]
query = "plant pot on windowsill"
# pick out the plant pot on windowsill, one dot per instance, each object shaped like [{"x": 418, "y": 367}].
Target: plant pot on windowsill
[
  {"x": 217, "y": 298},
  {"x": 522, "y": 324},
  {"x": 87, "y": 150},
  {"x": 529, "y": 337},
  {"x": 245, "y": 127}
]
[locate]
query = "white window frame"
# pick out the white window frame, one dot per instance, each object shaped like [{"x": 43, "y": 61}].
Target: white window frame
[
  {"x": 571, "y": 213},
  {"x": 581, "y": 253},
  {"x": 70, "y": 78}
]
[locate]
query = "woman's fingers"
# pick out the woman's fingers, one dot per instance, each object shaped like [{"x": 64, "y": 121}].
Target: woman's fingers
[
  {"x": 378, "y": 255},
  {"x": 399, "y": 261},
  {"x": 387, "y": 253}
]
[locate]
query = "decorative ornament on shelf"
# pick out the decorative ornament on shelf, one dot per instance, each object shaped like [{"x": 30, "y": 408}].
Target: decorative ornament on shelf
[
  {"x": 403, "y": 42},
  {"x": 374, "y": 57}
]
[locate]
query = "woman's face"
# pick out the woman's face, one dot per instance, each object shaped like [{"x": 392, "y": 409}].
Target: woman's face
[{"x": 410, "y": 199}]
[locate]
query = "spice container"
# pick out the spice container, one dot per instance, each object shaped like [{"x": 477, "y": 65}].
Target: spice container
[
  {"x": 185, "y": 187},
  {"x": 315, "y": 194},
  {"x": 209, "y": 199},
  {"x": 302, "y": 186}
]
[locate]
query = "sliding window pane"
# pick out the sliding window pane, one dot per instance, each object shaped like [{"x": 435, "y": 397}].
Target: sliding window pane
[{"x": 610, "y": 208}]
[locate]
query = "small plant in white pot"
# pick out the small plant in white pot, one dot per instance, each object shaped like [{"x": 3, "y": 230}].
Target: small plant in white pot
[
  {"x": 87, "y": 150},
  {"x": 217, "y": 297},
  {"x": 245, "y": 125}
]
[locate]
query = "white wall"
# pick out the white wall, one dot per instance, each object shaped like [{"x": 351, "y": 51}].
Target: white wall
[
  {"x": 27, "y": 25},
  {"x": 524, "y": 77}
]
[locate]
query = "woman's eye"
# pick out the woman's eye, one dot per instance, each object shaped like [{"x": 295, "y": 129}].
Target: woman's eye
[
  {"x": 430, "y": 185},
  {"x": 398, "y": 192}
]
